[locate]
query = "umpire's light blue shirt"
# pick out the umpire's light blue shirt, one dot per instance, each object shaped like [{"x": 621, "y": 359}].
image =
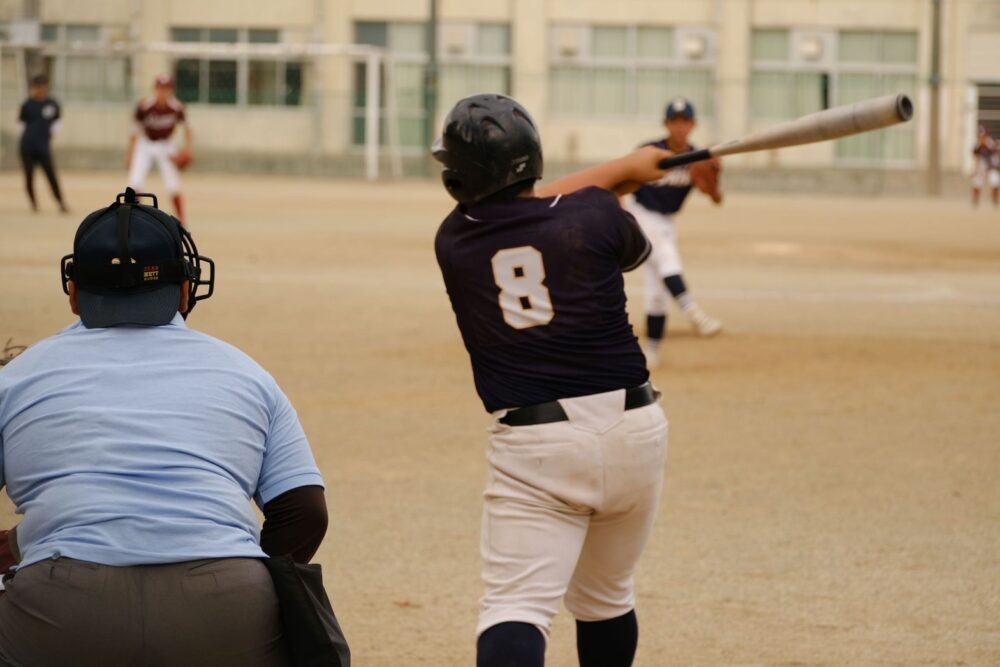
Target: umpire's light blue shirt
[{"x": 144, "y": 445}]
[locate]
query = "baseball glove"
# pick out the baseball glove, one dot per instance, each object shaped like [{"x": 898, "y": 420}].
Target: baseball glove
[
  {"x": 705, "y": 177},
  {"x": 182, "y": 159}
]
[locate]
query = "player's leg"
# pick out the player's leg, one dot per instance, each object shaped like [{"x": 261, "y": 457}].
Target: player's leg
[
  {"x": 673, "y": 279},
  {"x": 655, "y": 296},
  {"x": 171, "y": 176},
  {"x": 978, "y": 180},
  {"x": 49, "y": 167},
  {"x": 704, "y": 324},
  {"x": 142, "y": 161},
  {"x": 601, "y": 595},
  {"x": 657, "y": 303},
  {"x": 535, "y": 518},
  {"x": 28, "y": 164},
  {"x": 994, "y": 180}
]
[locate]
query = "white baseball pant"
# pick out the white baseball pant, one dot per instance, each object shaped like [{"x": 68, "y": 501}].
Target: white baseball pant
[
  {"x": 145, "y": 154},
  {"x": 568, "y": 508},
  {"x": 664, "y": 260}
]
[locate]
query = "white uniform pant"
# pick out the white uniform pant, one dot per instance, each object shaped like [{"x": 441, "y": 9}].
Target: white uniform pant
[
  {"x": 568, "y": 508},
  {"x": 145, "y": 154},
  {"x": 985, "y": 176},
  {"x": 664, "y": 260}
]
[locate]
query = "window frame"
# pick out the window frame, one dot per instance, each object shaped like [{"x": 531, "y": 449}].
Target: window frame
[
  {"x": 243, "y": 62},
  {"x": 833, "y": 68},
  {"x": 57, "y": 64},
  {"x": 444, "y": 59},
  {"x": 632, "y": 63}
]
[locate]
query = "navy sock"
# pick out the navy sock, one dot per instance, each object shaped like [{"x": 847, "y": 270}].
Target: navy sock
[
  {"x": 655, "y": 326},
  {"x": 608, "y": 643},
  {"x": 675, "y": 285},
  {"x": 511, "y": 645}
]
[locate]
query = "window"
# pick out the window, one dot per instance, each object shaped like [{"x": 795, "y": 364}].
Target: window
[
  {"x": 629, "y": 70},
  {"x": 797, "y": 73},
  {"x": 473, "y": 58},
  {"x": 82, "y": 77},
  {"x": 243, "y": 80},
  {"x": 872, "y": 64}
]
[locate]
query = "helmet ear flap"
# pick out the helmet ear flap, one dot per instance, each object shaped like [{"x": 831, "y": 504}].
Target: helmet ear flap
[{"x": 452, "y": 182}]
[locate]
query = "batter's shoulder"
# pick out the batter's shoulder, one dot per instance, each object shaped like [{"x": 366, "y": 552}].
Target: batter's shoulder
[{"x": 592, "y": 196}]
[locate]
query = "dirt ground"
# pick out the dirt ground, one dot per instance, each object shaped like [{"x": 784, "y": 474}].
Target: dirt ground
[{"x": 833, "y": 486}]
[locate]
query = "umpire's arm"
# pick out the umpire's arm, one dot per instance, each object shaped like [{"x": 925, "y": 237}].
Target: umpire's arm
[{"x": 295, "y": 523}]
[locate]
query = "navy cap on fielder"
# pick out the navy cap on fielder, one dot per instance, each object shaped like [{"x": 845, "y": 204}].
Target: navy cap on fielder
[
  {"x": 679, "y": 107},
  {"x": 128, "y": 263},
  {"x": 489, "y": 143}
]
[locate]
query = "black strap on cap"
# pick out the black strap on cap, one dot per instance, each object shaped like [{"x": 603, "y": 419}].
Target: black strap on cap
[{"x": 124, "y": 258}]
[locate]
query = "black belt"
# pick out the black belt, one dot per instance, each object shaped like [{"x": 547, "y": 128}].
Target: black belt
[{"x": 547, "y": 413}]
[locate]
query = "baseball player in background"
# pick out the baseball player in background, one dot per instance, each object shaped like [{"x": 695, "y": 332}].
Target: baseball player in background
[
  {"x": 986, "y": 171},
  {"x": 155, "y": 120},
  {"x": 654, "y": 205},
  {"x": 578, "y": 440},
  {"x": 39, "y": 120}
]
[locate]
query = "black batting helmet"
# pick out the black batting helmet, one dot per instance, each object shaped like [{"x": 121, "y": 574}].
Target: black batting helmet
[{"x": 489, "y": 143}]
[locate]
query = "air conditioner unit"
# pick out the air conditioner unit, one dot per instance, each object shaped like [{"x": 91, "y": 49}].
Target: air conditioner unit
[
  {"x": 455, "y": 39},
  {"x": 568, "y": 42},
  {"x": 696, "y": 44},
  {"x": 812, "y": 47}
]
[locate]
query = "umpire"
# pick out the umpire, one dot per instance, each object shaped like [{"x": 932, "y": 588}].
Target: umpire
[
  {"x": 133, "y": 446},
  {"x": 39, "y": 119}
]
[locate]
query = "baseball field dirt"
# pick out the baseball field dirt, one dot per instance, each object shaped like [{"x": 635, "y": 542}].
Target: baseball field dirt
[{"x": 832, "y": 494}]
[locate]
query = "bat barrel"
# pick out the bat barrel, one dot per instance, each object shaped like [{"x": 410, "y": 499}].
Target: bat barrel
[
  {"x": 842, "y": 121},
  {"x": 904, "y": 107}
]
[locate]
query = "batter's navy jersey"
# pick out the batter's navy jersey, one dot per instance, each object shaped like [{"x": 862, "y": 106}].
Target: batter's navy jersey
[
  {"x": 666, "y": 195},
  {"x": 537, "y": 287},
  {"x": 38, "y": 117}
]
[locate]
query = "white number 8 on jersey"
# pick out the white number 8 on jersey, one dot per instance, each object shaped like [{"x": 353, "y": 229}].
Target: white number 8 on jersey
[{"x": 524, "y": 300}]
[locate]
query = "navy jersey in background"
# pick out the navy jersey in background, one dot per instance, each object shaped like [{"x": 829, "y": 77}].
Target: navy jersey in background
[
  {"x": 38, "y": 118},
  {"x": 666, "y": 195},
  {"x": 537, "y": 288}
]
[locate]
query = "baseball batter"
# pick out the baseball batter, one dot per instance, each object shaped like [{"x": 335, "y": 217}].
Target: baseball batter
[
  {"x": 155, "y": 120},
  {"x": 655, "y": 205},
  {"x": 578, "y": 440},
  {"x": 986, "y": 171}
]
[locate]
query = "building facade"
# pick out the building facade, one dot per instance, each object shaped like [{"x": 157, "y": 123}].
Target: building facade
[{"x": 596, "y": 75}]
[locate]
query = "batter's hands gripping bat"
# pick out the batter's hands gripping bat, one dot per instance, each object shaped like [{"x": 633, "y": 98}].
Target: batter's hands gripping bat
[{"x": 824, "y": 125}]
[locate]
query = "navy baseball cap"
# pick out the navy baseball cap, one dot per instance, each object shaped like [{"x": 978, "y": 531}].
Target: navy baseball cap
[
  {"x": 128, "y": 263},
  {"x": 679, "y": 107}
]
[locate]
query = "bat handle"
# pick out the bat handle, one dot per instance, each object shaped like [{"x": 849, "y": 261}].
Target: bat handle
[{"x": 685, "y": 158}]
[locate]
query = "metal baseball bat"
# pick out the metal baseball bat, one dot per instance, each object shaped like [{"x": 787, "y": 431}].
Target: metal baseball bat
[{"x": 825, "y": 125}]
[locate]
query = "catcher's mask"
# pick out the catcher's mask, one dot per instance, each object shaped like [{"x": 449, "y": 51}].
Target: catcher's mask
[
  {"x": 128, "y": 263},
  {"x": 488, "y": 144}
]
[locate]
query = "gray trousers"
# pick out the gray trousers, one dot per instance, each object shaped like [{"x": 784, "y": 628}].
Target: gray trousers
[{"x": 206, "y": 612}]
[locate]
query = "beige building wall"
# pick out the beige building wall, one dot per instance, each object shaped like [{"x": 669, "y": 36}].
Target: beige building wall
[{"x": 971, "y": 54}]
